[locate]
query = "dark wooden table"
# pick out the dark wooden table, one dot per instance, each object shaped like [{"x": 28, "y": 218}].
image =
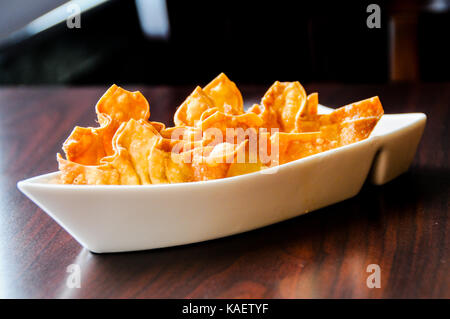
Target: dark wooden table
[{"x": 402, "y": 226}]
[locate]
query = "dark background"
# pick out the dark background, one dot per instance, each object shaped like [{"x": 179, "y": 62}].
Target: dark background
[{"x": 251, "y": 41}]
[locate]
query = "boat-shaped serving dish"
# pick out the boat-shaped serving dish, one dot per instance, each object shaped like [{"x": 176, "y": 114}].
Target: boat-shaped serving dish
[{"x": 114, "y": 218}]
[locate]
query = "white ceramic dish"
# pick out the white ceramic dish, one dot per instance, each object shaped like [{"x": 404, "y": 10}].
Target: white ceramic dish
[{"x": 124, "y": 218}]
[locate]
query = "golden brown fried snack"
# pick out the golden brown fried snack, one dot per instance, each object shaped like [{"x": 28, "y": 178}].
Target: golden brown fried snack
[
  {"x": 167, "y": 167},
  {"x": 74, "y": 173},
  {"x": 248, "y": 162},
  {"x": 89, "y": 145},
  {"x": 192, "y": 108},
  {"x": 310, "y": 108},
  {"x": 198, "y": 164},
  {"x": 268, "y": 116},
  {"x": 214, "y": 162},
  {"x": 356, "y": 130},
  {"x": 132, "y": 144},
  {"x": 213, "y": 137},
  {"x": 220, "y": 94},
  {"x": 222, "y": 121},
  {"x": 282, "y": 102},
  {"x": 293, "y": 146},
  {"x": 158, "y": 126},
  {"x": 136, "y": 139},
  {"x": 369, "y": 108},
  {"x": 122, "y": 105},
  {"x": 225, "y": 94}
]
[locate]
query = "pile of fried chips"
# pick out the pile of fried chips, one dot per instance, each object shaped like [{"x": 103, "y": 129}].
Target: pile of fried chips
[{"x": 213, "y": 136}]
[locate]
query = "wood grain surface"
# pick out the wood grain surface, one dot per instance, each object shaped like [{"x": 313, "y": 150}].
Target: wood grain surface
[{"x": 402, "y": 226}]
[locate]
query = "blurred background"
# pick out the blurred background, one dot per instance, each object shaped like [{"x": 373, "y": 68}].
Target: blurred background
[{"x": 185, "y": 42}]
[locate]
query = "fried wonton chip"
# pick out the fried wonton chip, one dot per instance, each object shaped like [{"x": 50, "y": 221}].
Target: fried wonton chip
[
  {"x": 157, "y": 166},
  {"x": 223, "y": 121},
  {"x": 170, "y": 161},
  {"x": 281, "y": 104},
  {"x": 294, "y": 146},
  {"x": 136, "y": 138},
  {"x": 362, "y": 109},
  {"x": 212, "y": 138},
  {"x": 169, "y": 166},
  {"x": 309, "y": 110},
  {"x": 122, "y": 162},
  {"x": 249, "y": 163},
  {"x": 222, "y": 153},
  {"x": 255, "y": 108},
  {"x": 74, "y": 173},
  {"x": 132, "y": 144},
  {"x": 214, "y": 162},
  {"x": 357, "y": 130},
  {"x": 307, "y": 119},
  {"x": 199, "y": 164},
  {"x": 369, "y": 108},
  {"x": 225, "y": 95},
  {"x": 88, "y": 145},
  {"x": 192, "y": 108},
  {"x": 237, "y": 169},
  {"x": 122, "y": 105},
  {"x": 345, "y": 125},
  {"x": 268, "y": 116},
  {"x": 182, "y": 133},
  {"x": 220, "y": 127},
  {"x": 220, "y": 94},
  {"x": 158, "y": 126}
]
